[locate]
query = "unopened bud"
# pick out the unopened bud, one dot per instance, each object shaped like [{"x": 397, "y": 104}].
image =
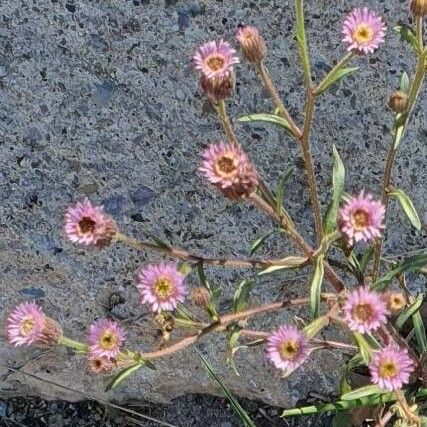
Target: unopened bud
[
  {"x": 398, "y": 101},
  {"x": 218, "y": 89},
  {"x": 201, "y": 297},
  {"x": 253, "y": 45},
  {"x": 51, "y": 332},
  {"x": 419, "y": 8},
  {"x": 395, "y": 301}
]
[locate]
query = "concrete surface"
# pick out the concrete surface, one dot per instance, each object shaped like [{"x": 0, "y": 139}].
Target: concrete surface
[{"x": 99, "y": 99}]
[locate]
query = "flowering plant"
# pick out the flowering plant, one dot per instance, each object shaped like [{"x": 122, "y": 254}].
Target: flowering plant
[{"x": 369, "y": 300}]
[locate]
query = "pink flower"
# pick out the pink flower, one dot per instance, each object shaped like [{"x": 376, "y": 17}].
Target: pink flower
[
  {"x": 105, "y": 339},
  {"x": 228, "y": 168},
  {"x": 361, "y": 218},
  {"x": 287, "y": 348},
  {"x": 253, "y": 45},
  {"x": 162, "y": 286},
  {"x": 25, "y": 324},
  {"x": 391, "y": 367},
  {"x": 215, "y": 61},
  {"x": 363, "y": 31},
  {"x": 364, "y": 310},
  {"x": 89, "y": 225}
]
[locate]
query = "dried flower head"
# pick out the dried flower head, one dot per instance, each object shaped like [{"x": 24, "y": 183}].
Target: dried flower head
[
  {"x": 363, "y": 31},
  {"x": 395, "y": 301},
  {"x": 361, "y": 218},
  {"x": 27, "y": 324},
  {"x": 398, "y": 101},
  {"x": 89, "y": 225},
  {"x": 391, "y": 367},
  {"x": 215, "y": 60},
  {"x": 364, "y": 310},
  {"x": 287, "y": 348},
  {"x": 101, "y": 365},
  {"x": 162, "y": 286},
  {"x": 252, "y": 44},
  {"x": 228, "y": 168},
  {"x": 201, "y": 297},
  {"x": 419, "y": 8},
  {"x": 105, "y": 338}
]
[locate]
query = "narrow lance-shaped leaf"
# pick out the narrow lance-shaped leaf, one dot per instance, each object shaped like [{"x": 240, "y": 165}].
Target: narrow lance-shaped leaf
[
  {"x": 420, "y": 331},
  {"x": 409, "y": 311},
  {"x": 338, "y": 178},
  {"x": 364, "y": 348},
  {"x": 407, "y": 207},
  {"x": 285, "y": 263},
  {"x": 407, "y": 35},
  {"x": 316, "y": 287},
  {"x": 232, "y": 346},
  {"x": 280, "y": 192},
  {"x": 404, "y": 82},
  {"x": 160, "y": 243},
  {"x": 335, "y": 77},
  {"x": 123, "y": 375},
  {"x": 267, "y": 118},
  {"x": 363, "y": 392},
  {"x": 259, "y": 242},
  {"x": 241, "y": 296}
]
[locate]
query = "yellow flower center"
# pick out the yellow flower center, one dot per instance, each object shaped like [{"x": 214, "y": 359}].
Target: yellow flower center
[
  {"x": 108, "y": 340},
  {"x": 27, "y": 325},
  {"x": 215, "y": 62},
  {"x": 360, "y": 219},
  {"x": 163, "y": 287},
  {"x": 87, "y": 225},
  {"x": 289, "y": 349},
  {"x": 388, "y": 369},
  {"x": 225, "y": 166},
  {"x": 363, "y": 33},
  {"x": 363, "y": 312}
]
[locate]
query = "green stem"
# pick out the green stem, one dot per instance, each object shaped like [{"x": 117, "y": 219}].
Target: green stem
[
  {"x": 226, "y": 124},
  {"x": 76, "y": 345}
]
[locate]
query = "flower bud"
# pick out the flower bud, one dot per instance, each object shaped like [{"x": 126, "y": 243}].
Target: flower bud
[
  {"x": 419, "y": 8},
  {"x": 253, "y": 45},
  {"x": 51, "y": 332},
  {"x": 395, "y": 301},
  {"x": 398, "y": 101},
  {"x": 201, "y": 297}
]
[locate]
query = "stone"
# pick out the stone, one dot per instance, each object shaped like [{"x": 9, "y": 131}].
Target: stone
[{"x": 124, "y": 123}]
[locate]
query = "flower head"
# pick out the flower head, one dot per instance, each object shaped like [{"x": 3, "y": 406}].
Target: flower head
[
  {"x": 101, "y": 365},
  {"x": 419, "y": 8},
  {"x": 287, "y": 348},
  {"x": 361, "y": 218},
  {"x": 105, "y": 338},
  {"x": 228, "y": 168},
  {"x": 162, "y": 286},
  {"x": 25, "y": 324},
  {"x": 215, "y": 61},
  {"x": 398, "y": 101},
  {"x": 89, "y": 225},
  {"x": 391, "y": 367},
  {"x": 253, "y": 45},
  {"x": 396, "y": 301},
  {"x": 364, "y": 310},
  {"x": 363, "y": 31}
]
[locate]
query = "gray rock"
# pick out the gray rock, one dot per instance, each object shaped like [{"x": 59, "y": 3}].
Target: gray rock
[{"x": 122, "y": 107}]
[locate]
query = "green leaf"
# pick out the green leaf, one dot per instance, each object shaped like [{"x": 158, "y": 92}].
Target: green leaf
[
  {"x": 267, "y": 118},
  {"x": 399, "y": 129},
  {"x": 364, "y": 348},
  {"x": 241, "y": 296},
  {"x": 123, "y": 375},
  {"x": 409, "y": 311},
  {"x": 361, "y": 392},
  {"x": 202, "y": 277},
  {"x": 233, "y": 336},
  {"x": 316, "y": 287},
  {"x": 312, "y": 329},
  {"x": 338, "y": 178},
  {"x": 366, "y": 257},
  {"x": 407, "y": 207},
  {"x": 285, "y": 263},
  {"x": 242, "y": 414},
  {"x": 258, "y": 242},
  {"x": 420, "y": 331},
  {"x": 407, "y": 35},
  {"x": 302, "y": 39},
  {"x": 160, "y": 243},
  {"x": 335, "y": 77},
  {"x": 280, "y": 192},
  {"x": 405, "y": 84},
  {"x": 414, "y": 263}
]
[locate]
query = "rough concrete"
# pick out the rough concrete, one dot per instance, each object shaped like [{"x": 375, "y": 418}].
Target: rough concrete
[{"x": 99, "y": 98}]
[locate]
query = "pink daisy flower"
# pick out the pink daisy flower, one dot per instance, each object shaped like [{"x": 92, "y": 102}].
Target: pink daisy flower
[
  {"x": 363, "y": 31},
  {"x": 364, "y": 310},
  {"x": 287, "y": 348},
  {"x": 215, "y": 61},
  {"x": 89, "y": 225},
  {"x": 361, "y": 218},
  {"x": 162, "y": 286},
  {"x": 105, "y": 338},
  {"x": 252, "y": 44},
  {"x": 391, "y": 367},
  {"x": 228, "y": 168},
  {"x": 25, "y": 324}
]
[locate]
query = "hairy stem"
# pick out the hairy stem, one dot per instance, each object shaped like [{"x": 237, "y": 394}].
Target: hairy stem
[{"x": 226, "y": 123}]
